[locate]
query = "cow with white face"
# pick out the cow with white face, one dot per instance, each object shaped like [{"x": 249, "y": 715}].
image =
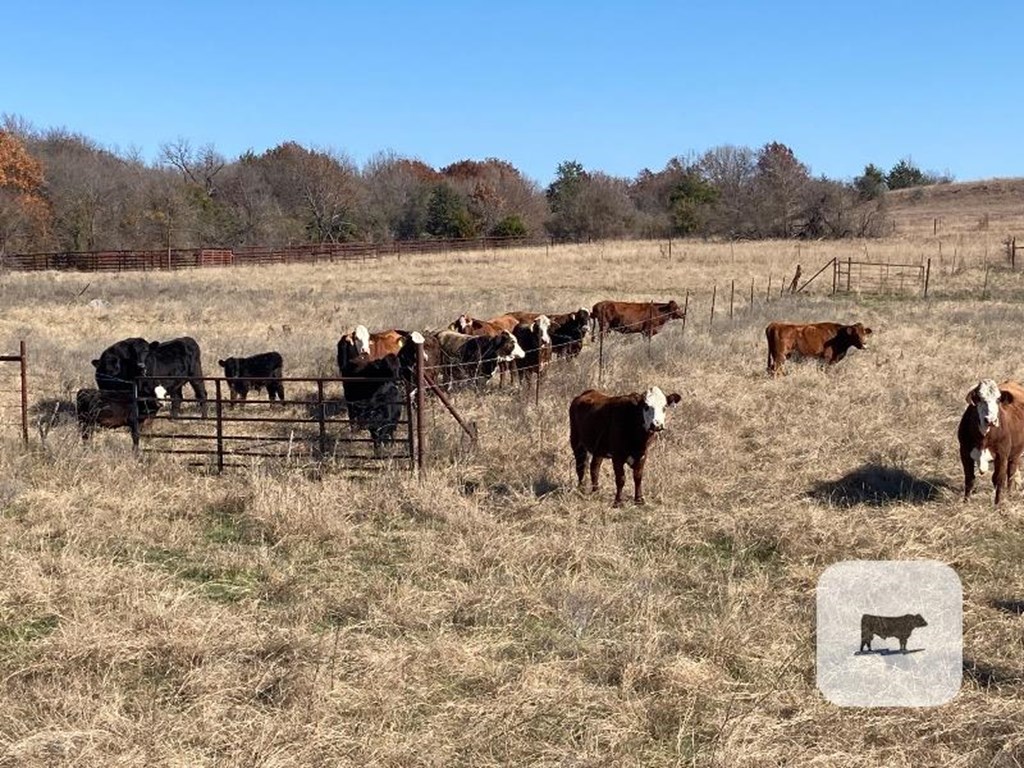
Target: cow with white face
[
  {"x": 991, "y": 434},
  {"x": 618, "y": 427}
]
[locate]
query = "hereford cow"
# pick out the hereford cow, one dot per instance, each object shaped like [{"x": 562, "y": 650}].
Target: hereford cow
[
  {"x": 473, "y": 327},
  {"x": 466, "y": 358},
  {"x": 619, "y": 427},
  {"x": 827, "y": 341},
  {"x": 991, "y": 434},
  {"x": 255, "y": 373},
  {"x": 361, "y": 343},
  {"x": 113, "y": 409},
  {"x": 899, "y": 627},
  {"x": 646, "y": 317}
]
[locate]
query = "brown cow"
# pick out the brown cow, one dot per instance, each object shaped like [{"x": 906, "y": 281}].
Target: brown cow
[
  {"x": 567, "y": 330},
  {"x": 646, "y": 317},
  {"x": 472, "y": 326},
  {"x": 115, "y": 409},
  {"x": 991, "y": 434},
  {"x": 619, "y": 427},
  {"x": 535, "y": 340},
  {"x": 828, "y": 341}
]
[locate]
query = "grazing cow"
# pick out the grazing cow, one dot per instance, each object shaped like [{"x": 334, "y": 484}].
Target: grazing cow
[
  {"x": 172, "y": 364},
  {"x": 360, "y": 342},
  {"x": 120, "y": 364},
  {"x": 372, "y": 397},
  {"x": 255, "y": 372},
  {"x": 646, "y": 317},
  {"x": 991, "y": 434},
  {"x": 619, "y": 427},
  {"x": 475, "y": 358},
  {"x": 899, "y": 627},
  {"x": 113, "y": 409},
  {"x": 828, "y": 341},
  {"x": 533, "y": 337}
]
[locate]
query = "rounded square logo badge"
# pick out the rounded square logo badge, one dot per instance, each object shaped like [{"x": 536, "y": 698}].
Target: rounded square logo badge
[{"x": 889, "y": 633}]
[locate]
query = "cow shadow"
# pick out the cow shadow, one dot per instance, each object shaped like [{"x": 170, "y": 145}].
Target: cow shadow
[
  {"x": 1016, "y": 607},
  {"x": 888, "y": 652},
  {"x": 987, "y": 675},
  {"x": 878, "y": 485},
  {"x": 49, "y": 412}
]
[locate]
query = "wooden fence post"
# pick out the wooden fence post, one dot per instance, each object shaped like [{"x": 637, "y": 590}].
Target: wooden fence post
[
  {"x": 711, "y": 322},
  {"x": 751, "y": 294},
  {"x": 321, "y": 418},
  {"x": 927, "y": 276},
  {"x": 849, "y": 271},
  {"x": 686, "y": 309},
  {"x": 600, "y": 354},
  {"x": 768, "y": 293},
  {"x": 732, "y": 298}
]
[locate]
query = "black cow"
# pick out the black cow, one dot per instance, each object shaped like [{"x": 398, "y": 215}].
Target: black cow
[
  {"x": 120, "y": 364},
  {"x": 255, "y": 373},
  {"x": 899, "y": 627},
  {"x": 372, "y": 395},
  {"x": 172, "y": 364}
]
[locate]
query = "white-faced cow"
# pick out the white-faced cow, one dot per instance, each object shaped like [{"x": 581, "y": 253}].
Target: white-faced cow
[
  {"x": 616, "y": 427},
  {"x": 535, "y": 341},
  {"x": 991, "y": 434},
  {"x": 254, "y": 373}
]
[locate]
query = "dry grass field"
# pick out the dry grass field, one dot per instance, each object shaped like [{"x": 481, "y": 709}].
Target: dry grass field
[{"x": 490, "y": 614}]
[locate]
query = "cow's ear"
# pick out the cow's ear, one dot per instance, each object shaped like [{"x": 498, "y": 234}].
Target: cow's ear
[
  {"x": 154, "y": 344},
  {"x": 95, "y": 363},
  {"x": 674, "y": 398},
  {"x": 867, "y": 331},
  {"x": 1005, "y": 397},
  {"x": 972, "y": 396},
  {"x": 222, "y": 364}
]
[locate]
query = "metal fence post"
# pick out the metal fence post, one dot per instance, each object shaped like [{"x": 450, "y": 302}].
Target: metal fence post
[
  {"x": 134, "y": 418},
  {"x": 714, "y": 293},
  {"x": 732, "y": 298},
  {"x": 420, "y": 401},
  {"x": 320, "y": 418},
  {"x": 686, "y": 308},
  {"x": 219, "y": 411},
  {"x": 24, "y": 392},
  {"x": 600, "y": 354},
  {"x": 927, "y": 276}
]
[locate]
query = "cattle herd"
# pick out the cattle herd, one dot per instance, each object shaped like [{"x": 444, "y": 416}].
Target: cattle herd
[{"x": 135, "y": 377}]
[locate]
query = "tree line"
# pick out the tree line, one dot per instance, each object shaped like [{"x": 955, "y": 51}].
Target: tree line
[{"x": 62, "y": 191}]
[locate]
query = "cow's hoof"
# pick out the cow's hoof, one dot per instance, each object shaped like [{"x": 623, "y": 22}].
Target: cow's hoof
[{"x": 641, "y": 501}]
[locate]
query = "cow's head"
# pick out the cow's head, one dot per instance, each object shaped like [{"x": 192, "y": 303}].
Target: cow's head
[
  {"x": 654, "y": 404},
  {"x": 361, "y": 339},
  {"x": 462, "y": 324},
  {"x": 917, "y": 620},
  {"x": 986, "y": 398},
  {"x": 540, "y": 328},
  {"x": 508, "y": 348},
  {"x": 857, "y": 334},
  {"x": 674, "y": 311},
  {"x": 230, "y": 367}
]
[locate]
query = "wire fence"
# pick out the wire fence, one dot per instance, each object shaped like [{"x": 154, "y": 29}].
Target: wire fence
[{"x": 14, "y": 392}]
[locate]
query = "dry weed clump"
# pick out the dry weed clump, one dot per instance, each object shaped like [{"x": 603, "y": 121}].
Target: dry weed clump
[{"x": 491, "y": 614}]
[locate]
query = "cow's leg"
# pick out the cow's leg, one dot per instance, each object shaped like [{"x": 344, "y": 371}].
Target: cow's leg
[
  {"x": 638, "y": 479},
  {"x": 595, "y": 471},
  {"x": 999, "y": 476},
  {"x": 199, "y": 392},
  {"x": 968, "y": 465},
  {"x": 903, "y": 644},
  {"x": 620, "y": 479},
  {"x": 176, "y": 399},
  {"x": 580, "y": 453},
  {"x": 1011, "y": 473}
]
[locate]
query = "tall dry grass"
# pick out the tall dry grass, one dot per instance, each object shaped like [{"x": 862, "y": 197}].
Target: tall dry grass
[{"x": 490, "y": 615}]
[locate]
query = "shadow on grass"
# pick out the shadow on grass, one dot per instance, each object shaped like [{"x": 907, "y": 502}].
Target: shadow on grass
[
  {"x": 877, "y": 485},
  {"x": 987, "y": 675},
  {"x": 1016, "y": 607},
  {"x": 53, "y": 411},
  {"x": 888, "y": 652}
]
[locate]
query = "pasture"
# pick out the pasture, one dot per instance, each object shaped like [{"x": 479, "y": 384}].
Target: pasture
[{"x": 490, "y": 614}]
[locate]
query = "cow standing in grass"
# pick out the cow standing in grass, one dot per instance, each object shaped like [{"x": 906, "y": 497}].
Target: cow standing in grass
[
  {"x": 616, "y": 427},
  {"x": 991, "y": 434}
]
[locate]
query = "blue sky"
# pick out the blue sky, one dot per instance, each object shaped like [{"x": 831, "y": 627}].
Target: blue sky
[{"x": 619, "y": 87}]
